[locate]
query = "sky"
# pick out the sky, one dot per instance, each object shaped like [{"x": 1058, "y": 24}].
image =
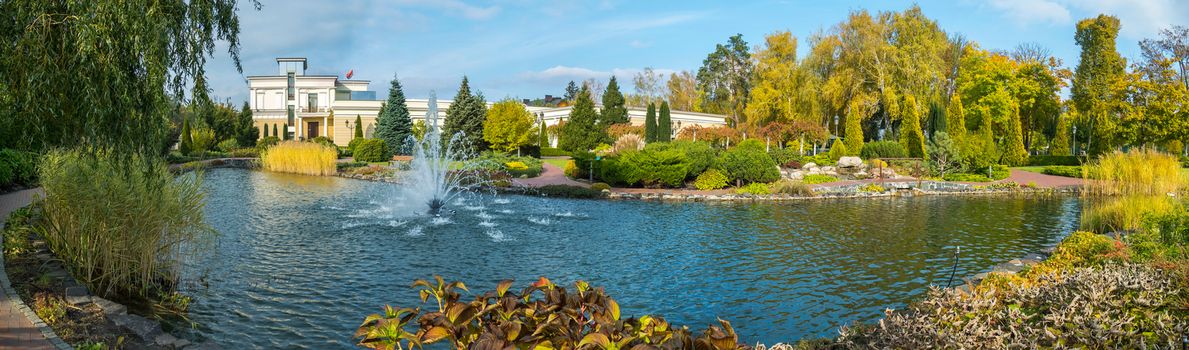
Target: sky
[{"x": 528, "y": 49}]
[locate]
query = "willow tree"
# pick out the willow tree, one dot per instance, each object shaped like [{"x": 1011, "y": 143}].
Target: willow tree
[
  {"x": 781, "y": 91},
  {"x": 1099, "y": 69},
  {"x": 97, "y": 74}
]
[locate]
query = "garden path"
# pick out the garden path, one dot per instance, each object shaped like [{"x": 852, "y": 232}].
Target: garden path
[
  {"x": 1042, "y": 180},
  {"x": 16, "y": 330},
  {"x": 552, "y": 175}
]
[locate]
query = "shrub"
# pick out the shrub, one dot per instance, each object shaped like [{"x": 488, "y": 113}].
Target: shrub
[
  {"x": 122, "y": 226},
  {"x": 1126, "y": 213},
  {"x": 372, "y": 150},
  {"x": 883, "y": 149},
  {"x": 872, "y": 188},
  {"x": 711, "y": 179},
  {"x": 813, "y": 179},
  {"x": 792, "y": 188},
  {"x": 553, "y": 152},
  {"x": 17, "y": 168},
  {"x": 300, "y": 158},
  {"x": 600, "y": 186},
  {"x": 754, "y": 188},
  {"x": 820, "y": 159},
  {"x": 650, "y": 167},
  {"x": 1144, "y": 171},
  {"x": 540, "y": 316},
  {"x": 204, "y": 140},
  {"x": 245, "y": 153},
  {"x": 567, "y": 191},
  {"x": 748, "y": 163},
  {"x": 784, "y": 155},
  {"x": 699, "y": 154},
  {"x": 838, "y": 150},
  {"x": 1053, "y": 160},
  {"x": 1063, "y": 170},
  {"x": 267, "y": 142},
  {"x": 964, "y": 177},
  {"x": 571, "y": 170},
  {"x": 227, "y": 145},
  {"x": 355, "y": 142}
]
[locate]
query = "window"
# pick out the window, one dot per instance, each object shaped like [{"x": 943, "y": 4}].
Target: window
[
  {"x": 290, "y": 115},
  {"x": 312, "y": 103},
  {"x": 292, "y": 90}
]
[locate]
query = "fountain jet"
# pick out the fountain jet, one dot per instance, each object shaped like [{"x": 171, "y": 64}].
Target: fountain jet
[{"x": 441, "y": 168}]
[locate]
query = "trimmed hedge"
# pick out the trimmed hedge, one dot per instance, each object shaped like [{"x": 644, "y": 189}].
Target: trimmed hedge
[
  {"x": 1063, "y": 170},
  {"x": 883, "y": 149},
  {"x": 371, "y": 150},
  {"x": 567, "y": 191},
  {"x": 1053, "y": 160},
  {"x": 553, "y": 152}
]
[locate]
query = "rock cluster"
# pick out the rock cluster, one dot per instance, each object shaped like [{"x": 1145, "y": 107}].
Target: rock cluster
[{"x": 846, "y": 167}]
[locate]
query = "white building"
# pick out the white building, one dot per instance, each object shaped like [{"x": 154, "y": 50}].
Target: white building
[{"x": 324, "y": 105}]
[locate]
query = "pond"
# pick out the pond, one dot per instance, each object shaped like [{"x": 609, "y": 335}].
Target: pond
[{"x": 300, "y": 260}]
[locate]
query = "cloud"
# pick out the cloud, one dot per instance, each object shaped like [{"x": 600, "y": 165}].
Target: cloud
[
  {"x": 456, "y": 7},
  {"x": 562, "y": 73},
  {"x": 1032, "y": 11}
]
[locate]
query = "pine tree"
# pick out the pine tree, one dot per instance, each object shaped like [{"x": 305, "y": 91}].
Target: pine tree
[
  {"x": 285, "y": 132},
  {"x": 187, "y": 143},
  {"x": 614, "y": 111},
  {"x": 571, "y": 91},
  {"x": 358, "y": 127},
  {"x": 581, "y": 133},
  {"x": 1014, "y": 153},
  {"x": 274, "y": 131},
  {"x": 664, "y": 124},
  {"x": 466, "y": 115},
  {"x": 854, "y": 129},
  {"x": 650, "y": 124},
  {"x": 911, "y": 136},
  {"x": 265, "y": 131},
  {"x": 955, "y": 125},
  {"x": 393, "y": 124},
  {"x": 542, "y": 137}
]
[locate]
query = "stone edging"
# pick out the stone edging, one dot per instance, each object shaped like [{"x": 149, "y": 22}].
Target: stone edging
[{"x": 5, "y": 283}]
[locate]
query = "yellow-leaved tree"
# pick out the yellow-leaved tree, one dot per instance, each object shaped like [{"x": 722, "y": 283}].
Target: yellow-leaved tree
[{"x": 508, "y": 126}]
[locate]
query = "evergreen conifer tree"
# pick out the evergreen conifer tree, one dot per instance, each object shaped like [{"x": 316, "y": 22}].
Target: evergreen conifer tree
[
  {"x": 393, "y": 125},
  {"x": 466, "y": 115},
  {"x": 854, "y": 129},
  {"x": 285, "y": 132},
  {"x": 358, "y": 127},
  {"x": 911, "y": 136},
  {"x": 650, "y": 124},
  {"x": 664, "y": 124},
  {"x": 581, "y": 133},
  {"x": 614, "y": 111},
  {"x": 187, "y": 142}
]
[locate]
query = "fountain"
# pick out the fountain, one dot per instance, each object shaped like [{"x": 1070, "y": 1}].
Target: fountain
[{"x": 441, "y": 169}]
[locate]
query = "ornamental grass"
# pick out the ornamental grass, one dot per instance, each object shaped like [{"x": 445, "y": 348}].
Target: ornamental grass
[
  {"x": 122, "y": 225},
  {"x": 1138, "y": 172},
  {"x": 297, "y": 157}
]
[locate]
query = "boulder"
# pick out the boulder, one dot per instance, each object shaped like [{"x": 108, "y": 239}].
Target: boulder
[
  {"x": 849, "y": 162},
  {"x": 795, "y": 175},
  {"x": 77, "y": 296},
  {"x": 861, "y": 175},
  {"x": 144, "y": 328},
  {"x": 829, "y": 169},
  {"x": 109, "y": 307},
  {"x": 809, "y": 166}
]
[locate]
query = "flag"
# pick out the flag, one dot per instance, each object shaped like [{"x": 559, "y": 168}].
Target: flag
[{"x": 350, "y": 73}]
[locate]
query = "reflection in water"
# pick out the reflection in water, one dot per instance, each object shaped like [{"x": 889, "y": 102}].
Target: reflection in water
[{"x": 300, "y": 265}]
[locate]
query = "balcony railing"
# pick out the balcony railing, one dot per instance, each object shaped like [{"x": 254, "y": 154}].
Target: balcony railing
[{"x": 310, "y": 109}]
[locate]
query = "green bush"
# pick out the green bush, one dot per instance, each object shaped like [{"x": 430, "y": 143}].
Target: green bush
[
  {"x": 372, "y": 150},
  {"x": 267, "y": 142},
  {"x": 1053, "y": 160},
  {"x": 838, "y": 150},
  {"x": 355, "y": 142},
  {"x": 754, "y": 188},
  {"x": 17, "y": 168},
  {"x": 711, "y": 179},
  {"x": 785, "y": 155},
  {"x": 813, "y": 179},
  {"x": 553, "y": 152},
  {"x": 883, "y": 149},
  {"x": 700, "y": 155},
  {"x": 600, "y": 186},
  {"x": 516, "y": 166},
  {"x": 1063, "y": 170},
  {"x": 227, "y": 145},
  {"x": 650, "y": 168},
  {"x": 245, "y": 153},
  {"x": 964, "y": 177},
  {"x": 748, "y": 163},
  {"x": 121, "y": 226},
  {"x": 567, "y": 191},
  {"x": 822, "y": 159}
]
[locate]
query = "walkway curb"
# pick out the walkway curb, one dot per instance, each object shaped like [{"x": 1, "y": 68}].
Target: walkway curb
[{"x": 11, "y": 293}]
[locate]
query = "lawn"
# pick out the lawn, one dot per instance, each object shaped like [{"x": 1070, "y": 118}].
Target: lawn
[
  {"x": 558, "y": 162},
  {"x": 1034, "y": 169}
]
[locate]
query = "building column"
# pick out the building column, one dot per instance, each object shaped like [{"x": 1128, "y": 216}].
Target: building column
[{"x": 325, "y": 127}]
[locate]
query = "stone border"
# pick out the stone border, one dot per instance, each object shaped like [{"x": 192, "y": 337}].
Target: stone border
[{"x": 15, "y": 298}]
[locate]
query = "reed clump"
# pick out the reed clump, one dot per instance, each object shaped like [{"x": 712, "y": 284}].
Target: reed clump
[
  {"x": 1138, "y": 172},
  {"x": 122, "y": 225},
  {"x": 298, "y": 157}
]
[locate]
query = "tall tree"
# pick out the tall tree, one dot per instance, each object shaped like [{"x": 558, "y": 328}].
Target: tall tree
[
  {"x": 508, "y": 126},
  {"x": 682, "y": 92},
  {"x": 247, "y": 129},
  {"x": 285, "y": 132},
  {"x": 725, "y": 79},
  {"x": 274, "y": 131},
  {"x": 187, "y": 143},
  {"x": 581, "y": 133},
  {"x": 358, "y": 127},
  {"x": 854, "y": 127},
  {"x": 465, "y": 118},
  {"x": 779, "y": 90},
  {"x": 571, "y": 91},
  {"x": 650, "y": 124},
  {"x": 1099, "y": 69},
  {"x": 393, "y": 125},
  {"x": 664, "y": 124},
  {"x": 613, "y": 111},
  {"x": 649, "y": 85},
  {"x": 97, "y": 74},
  {"x": 264, "y": 131},
  {"x": 1014, "y": 153},
  {"x": 911, "y": 136},
  {"x": 542, "y": 136},
  {"x": 955, "y": 124},
  {"x": 1060, "y": 144}
]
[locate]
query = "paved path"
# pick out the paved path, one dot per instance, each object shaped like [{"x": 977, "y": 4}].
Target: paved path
[
  {"x": 16, "y": 331},
  {"x": 551, "y": 176},
  {"x": 1043, "y": 180}
]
